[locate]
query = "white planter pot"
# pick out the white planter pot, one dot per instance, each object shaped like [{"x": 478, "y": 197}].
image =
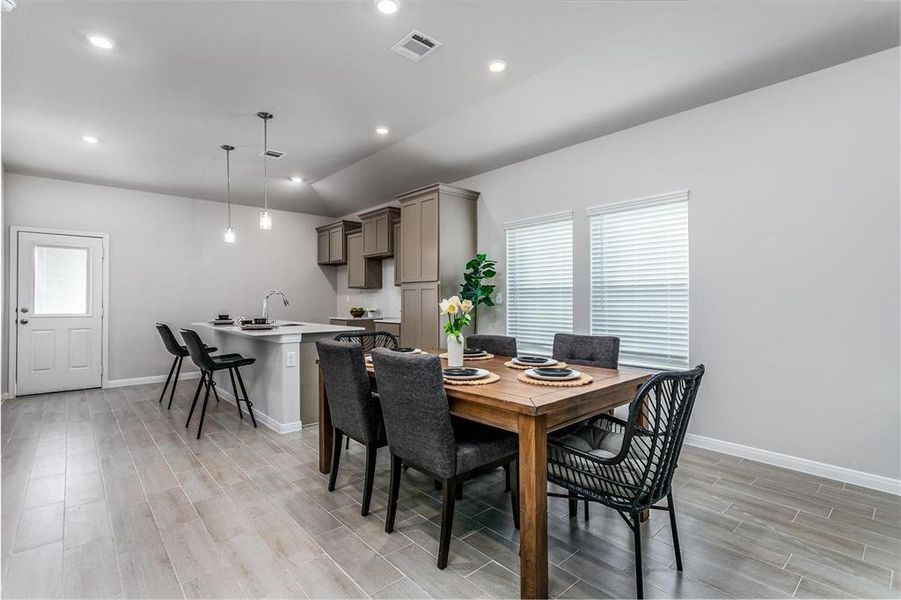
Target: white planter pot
[{"x": 454, "y": 351}]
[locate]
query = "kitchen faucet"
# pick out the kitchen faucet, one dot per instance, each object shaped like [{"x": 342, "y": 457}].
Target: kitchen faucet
[{"x": 266, "y": 302}]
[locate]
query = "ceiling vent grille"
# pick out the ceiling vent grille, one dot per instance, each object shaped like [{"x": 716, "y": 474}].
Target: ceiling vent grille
[{"x": 416, "y": 46}]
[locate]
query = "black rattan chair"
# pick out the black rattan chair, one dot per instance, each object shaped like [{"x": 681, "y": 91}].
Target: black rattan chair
[
  {"x": 628, "y": 465},
  {"x": 369, "y": 340}
]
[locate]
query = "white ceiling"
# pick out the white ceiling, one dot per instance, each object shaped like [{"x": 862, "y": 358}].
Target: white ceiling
[{"x": 186, "y": 77}]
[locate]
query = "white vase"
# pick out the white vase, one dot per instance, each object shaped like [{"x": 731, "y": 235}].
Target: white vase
[{"x": 454, "y": 351}]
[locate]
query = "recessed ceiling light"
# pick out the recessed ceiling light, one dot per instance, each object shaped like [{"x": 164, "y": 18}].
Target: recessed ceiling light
[
  {"x": 497, "y": 66},
  {"x": 381, "y": 130},
  {"x": 89, "y": 139},
  {"x": 101, "y": 41},
  {"x": 388, "y": 7},
  {"x": 297, "y": 179}
]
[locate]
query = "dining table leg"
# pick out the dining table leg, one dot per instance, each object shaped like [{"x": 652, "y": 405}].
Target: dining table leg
[
  {"x": 533, "y": 579},
  {"x": 326, "y": 431}
]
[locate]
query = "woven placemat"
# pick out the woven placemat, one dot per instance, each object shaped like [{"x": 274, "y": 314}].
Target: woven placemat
[
  {"x": 492, "y": 377},
  {"x": 513, "y": 365},
  {"x": 583, "y": 380},
  {"x": 465, "y": 358}
]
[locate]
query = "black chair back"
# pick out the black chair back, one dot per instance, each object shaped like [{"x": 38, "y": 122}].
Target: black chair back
[
  {"x": 588, "y": 350},
  {"x": 353, "y": 409},
  {"x": 503, "y": 345},
  {"x": 664, "y": 406},
  {"x": 415, "y": 409},
  {"x": 369, "y": 340},
  {"x": 197, "y": 350},
  {"x": 641, "y": 473},
  {"x": 169, "y": 341}
]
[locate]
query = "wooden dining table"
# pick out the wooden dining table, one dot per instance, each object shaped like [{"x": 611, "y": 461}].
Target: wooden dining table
[{"x": 532, "y": 411}]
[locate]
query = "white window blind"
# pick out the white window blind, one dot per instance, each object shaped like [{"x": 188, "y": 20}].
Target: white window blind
[
  {"x": 639, "y": 279},
  {"x": 539, "y": 281}
]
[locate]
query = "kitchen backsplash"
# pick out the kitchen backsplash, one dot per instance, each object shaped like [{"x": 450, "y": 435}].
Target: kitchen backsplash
[{"x": 386, "y": 299}]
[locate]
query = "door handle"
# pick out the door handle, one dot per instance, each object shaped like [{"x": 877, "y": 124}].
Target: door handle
[{"x": 23, "y": 321}]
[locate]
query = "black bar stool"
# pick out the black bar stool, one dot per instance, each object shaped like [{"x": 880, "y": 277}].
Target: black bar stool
[
  {"x": 179, "y": 352},
  {"x": 210, "y": 364}
]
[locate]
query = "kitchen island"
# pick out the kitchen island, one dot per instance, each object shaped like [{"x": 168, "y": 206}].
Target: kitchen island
[{"x": 283, "y": 383}]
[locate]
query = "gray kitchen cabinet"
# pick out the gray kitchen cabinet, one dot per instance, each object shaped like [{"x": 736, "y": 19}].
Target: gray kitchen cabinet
[
  {"x": 362, "y": 273},
  {"x": 378, "y": 231},
  {"x": 331, "y": 242},
  {"x": 419, "y": 315},
  {"x": 398, "y": 253}
]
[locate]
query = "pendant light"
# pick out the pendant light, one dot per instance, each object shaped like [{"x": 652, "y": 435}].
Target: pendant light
[
  {"x": 265, "y": 215},
  {"x": 229, "y": 231}
]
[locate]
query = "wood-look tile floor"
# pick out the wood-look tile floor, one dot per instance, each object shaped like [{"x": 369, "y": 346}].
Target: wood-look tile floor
[{"x": 106, "y": 494}]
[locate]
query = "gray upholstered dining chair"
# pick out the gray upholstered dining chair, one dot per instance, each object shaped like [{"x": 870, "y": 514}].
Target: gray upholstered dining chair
[
  {"x": 504, "y": 345},
  {"x": 629, "y": 465},
  {"x": 587, "y": 350},
  {"x": 354, "y": 408},
  {"x": 422, "y": 435}
]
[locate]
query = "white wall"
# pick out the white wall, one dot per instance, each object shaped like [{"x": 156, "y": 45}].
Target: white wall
[
  {"x": 794, "y": 242},
  {"x": 168, "y": 262}
]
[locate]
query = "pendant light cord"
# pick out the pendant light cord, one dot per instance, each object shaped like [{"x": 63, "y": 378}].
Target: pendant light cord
[
  {"x": 228, "y": 184},
  {"x": 265, "y": 164}
]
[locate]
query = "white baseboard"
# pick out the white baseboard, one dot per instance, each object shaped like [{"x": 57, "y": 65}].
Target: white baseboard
[
  {"x": 811, "y": 467},
  {"x": 261, "y": 417},
  {"x": 114, "y": 383}
]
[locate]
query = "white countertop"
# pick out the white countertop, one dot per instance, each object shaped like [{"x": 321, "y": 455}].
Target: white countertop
[{"x": 287, "y": 331}]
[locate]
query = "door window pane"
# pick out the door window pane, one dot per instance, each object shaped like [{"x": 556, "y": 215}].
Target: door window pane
[{"x": 60, "y": 280}]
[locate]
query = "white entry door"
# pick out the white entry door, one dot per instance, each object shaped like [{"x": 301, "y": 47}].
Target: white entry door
[{"x": 59, "y": 312}]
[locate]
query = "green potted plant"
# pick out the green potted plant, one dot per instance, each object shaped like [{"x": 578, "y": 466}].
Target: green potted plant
[{"x": 474, "y": 287}]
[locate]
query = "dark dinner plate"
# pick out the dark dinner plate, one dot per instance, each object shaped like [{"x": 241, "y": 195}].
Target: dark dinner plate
[
  {"x": 552, "y": 372},
  {"x": 531, "y": 360},
  {"x": 473, "y": 352},
  {"x": 404, "y": 349},
  {"x": 460, "y": 371}
]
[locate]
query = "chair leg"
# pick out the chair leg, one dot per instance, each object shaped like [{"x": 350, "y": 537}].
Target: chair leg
[
  {"x": 196, "y": 396},
  {"x": 506, "y": 478},
  {"x": 513, "y": 471},
  {"x": 347, "y": 444},
  {"x": 393, "y": 491},
  {"x": 246, "y": 397},
  {"x": 672, "y": 523},
  {"x": 573, "y": 505},
  {"x": 448, "y": 498},
  {"x": 639, "y": 576},
  {"x": 231, "y": 374},
  {"x": 212, "y": 384},
  {"x": 336, "y": 458},
  {"x": 171, "y": 370},
  {"x": 371, "y": 454},
  {"x": 206, "y": 398},
  {"x": 175, "y": 381},
  {"x": 586, "y": 509}
]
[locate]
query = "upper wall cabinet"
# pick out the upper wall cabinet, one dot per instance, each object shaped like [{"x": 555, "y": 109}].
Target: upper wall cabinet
[
  {"x": 378, "y": 231},
  {"x": 362, "y": 273},
  {"x": 438, "y": 232},
  {"x": 331, "y": 241}
]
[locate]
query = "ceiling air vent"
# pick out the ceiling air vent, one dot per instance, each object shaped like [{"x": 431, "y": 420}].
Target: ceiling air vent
[{"x": 416, "y": 46}]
